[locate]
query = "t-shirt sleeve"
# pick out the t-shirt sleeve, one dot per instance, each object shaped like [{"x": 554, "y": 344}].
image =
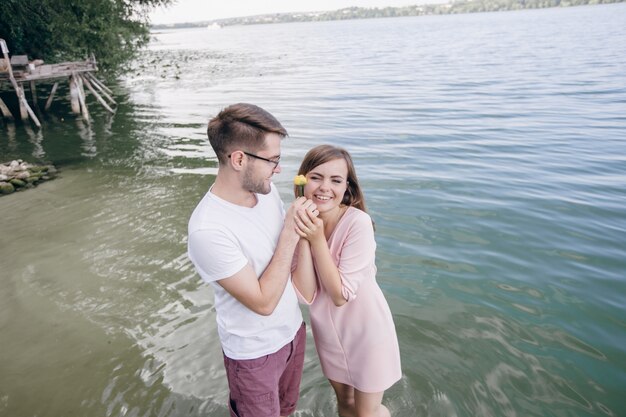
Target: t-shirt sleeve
[
  {"x": 215, "y": 254},
  {"x": 357, "y": 259}
]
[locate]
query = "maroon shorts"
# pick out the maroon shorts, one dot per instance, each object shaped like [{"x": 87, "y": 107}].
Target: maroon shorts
[{"x": 268, "y": 386}]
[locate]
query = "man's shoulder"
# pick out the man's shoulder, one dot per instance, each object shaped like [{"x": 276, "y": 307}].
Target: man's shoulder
[{"x": 206, "y": 214}]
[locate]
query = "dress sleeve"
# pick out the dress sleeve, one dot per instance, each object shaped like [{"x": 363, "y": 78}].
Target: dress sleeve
[{"x": 357, "y": 256}]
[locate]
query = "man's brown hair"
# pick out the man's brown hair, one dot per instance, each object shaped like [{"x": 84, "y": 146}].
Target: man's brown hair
[{"x": 241, "y": 126}]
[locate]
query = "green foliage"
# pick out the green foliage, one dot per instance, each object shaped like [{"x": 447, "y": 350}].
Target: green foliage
[{"x": 61, "y": 30}]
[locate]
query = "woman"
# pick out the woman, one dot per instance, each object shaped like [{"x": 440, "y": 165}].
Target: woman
[{"x": 335, "y": 273}]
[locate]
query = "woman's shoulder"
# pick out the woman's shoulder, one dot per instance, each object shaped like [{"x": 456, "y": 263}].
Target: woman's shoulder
[
  {"x": 358, "y": 216},
  {"x": 356, "y": 212},
  {"x": 355, "y": 227}
]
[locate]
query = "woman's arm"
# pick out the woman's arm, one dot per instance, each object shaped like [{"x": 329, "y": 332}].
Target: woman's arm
[
  {"x": 357, "y": 261},
  {"x": 312, "y": 229},
  {"x": 327, "y": 270},
  {"x": 303, "y": 276}
]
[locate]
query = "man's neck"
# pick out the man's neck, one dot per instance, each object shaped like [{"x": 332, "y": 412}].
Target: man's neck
[{"x": 230, "y": 190}]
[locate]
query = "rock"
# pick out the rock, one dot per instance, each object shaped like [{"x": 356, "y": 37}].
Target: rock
[
  {"x": 17, "y": 182},
  {"x": 22, "y": 175},
  {"x": 17, "y": 174},
  {"x": 38, "y": 169},
  {"x": 6, "y": 188},
  {"x": 33, "y": 178}
]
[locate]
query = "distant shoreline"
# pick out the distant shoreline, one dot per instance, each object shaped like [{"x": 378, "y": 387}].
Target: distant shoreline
[{"x": 455, "y": 7}]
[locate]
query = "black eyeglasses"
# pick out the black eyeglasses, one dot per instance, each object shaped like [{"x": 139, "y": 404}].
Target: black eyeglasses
[{"x": 275, "y": 162}]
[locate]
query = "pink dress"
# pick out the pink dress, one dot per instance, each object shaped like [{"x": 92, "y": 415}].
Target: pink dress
[{"x": 356, "y": 343}]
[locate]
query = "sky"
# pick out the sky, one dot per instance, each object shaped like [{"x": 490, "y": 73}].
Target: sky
[{"x": 201, "y": 10}]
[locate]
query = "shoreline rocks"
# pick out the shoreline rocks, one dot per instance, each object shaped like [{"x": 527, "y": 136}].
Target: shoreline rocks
[{"x": 17, "y": 175}]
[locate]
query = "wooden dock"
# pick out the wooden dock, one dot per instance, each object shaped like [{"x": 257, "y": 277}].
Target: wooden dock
[{"x": 18, "y": 71}]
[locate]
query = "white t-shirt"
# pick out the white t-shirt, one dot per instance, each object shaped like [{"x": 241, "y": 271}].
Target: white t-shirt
[{"x": 224, "y": 238}]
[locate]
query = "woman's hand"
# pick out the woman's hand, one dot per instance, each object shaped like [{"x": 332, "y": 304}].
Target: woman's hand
[
  {"x": 301, "y": 204},
  {"x": 308, "y": 225}
]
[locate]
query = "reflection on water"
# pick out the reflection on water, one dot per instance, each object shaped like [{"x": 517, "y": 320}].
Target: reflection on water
[
  {"x": 86, "y": 134},
  {"x": 35, "y": 139},
  {"x": 491, "y": 156}
]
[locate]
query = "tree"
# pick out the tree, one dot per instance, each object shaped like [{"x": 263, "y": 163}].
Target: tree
[{"x": 58, "y": 30}]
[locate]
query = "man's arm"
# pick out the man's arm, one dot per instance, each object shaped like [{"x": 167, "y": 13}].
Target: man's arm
[{"x": 262, "y": 295}]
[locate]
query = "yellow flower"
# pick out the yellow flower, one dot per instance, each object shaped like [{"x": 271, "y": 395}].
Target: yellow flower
[{"x": 299, "y": 182}]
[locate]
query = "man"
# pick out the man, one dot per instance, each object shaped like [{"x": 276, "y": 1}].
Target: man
[{"x": 242, "y": 243}]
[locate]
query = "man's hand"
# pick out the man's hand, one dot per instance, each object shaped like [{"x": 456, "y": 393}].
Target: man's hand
[{"x": 300, "y": 208}]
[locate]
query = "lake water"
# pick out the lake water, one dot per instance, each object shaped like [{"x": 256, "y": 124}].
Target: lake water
[{"x": 492, "y": 151}]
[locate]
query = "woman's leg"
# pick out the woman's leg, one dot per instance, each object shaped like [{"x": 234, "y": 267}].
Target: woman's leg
[
  {"x": 345, "y": 399},
  {"x": 370, "y": 404}
]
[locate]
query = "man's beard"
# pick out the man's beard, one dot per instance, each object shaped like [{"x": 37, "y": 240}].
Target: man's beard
[{"x": 254, "y": 185}]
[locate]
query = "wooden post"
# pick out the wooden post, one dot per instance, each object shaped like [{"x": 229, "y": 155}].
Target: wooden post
[
  {"x": 97, "y": 96},
  {"x": 21, "y": 101},
  {"x": 33, "y": 92},
  {"x": 29, "y": 111},
  {"x": 74, "y": 95},
  {"x": 97, "y": 81},
  {"x": 94, "y": 83},
  {"x": 18, "y": 90},
  {"x": 81, "y": 97},
  {"x": 5, "y": 110},
  {"x": 49, "y": 101}
]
